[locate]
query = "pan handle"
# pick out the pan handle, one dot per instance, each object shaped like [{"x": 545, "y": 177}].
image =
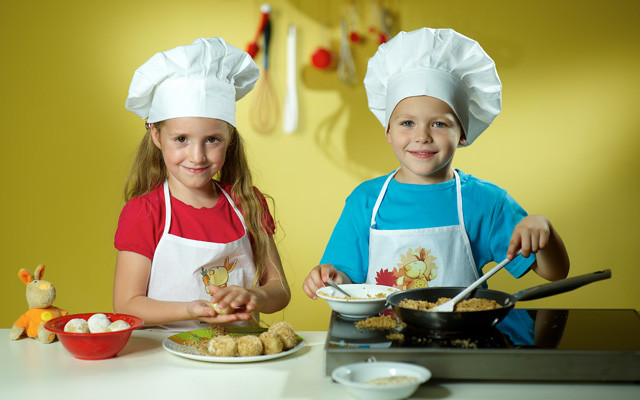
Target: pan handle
[{"x": 561, "y": 286}]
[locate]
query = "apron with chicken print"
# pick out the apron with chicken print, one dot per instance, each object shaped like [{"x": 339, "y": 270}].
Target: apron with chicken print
[
  {"x": 426, "y": 257},
  {"x": 182, "y": 269}
]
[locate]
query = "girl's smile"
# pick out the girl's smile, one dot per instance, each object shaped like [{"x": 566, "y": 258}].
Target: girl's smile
[{"x": 195, "y": 170}]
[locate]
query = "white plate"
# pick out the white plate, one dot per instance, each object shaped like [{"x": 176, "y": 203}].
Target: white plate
[{"x": 173, "y": 345}]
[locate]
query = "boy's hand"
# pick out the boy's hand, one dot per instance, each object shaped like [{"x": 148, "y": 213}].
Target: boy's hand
[
  {"x": 530, "y": 235},
  {"x": 318, "y": 277}
]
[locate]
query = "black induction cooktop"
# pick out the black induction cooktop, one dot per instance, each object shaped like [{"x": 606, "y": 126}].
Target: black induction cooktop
[{"x": 528, "y": 344}]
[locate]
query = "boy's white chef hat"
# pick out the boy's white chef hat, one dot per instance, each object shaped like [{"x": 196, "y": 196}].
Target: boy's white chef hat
[
  {"x": 203, "y": 79},
  {"x": 440, "y": 63}
]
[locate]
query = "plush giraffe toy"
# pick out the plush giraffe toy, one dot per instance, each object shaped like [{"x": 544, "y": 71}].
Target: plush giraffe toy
[{"x": 40, "y": 297}]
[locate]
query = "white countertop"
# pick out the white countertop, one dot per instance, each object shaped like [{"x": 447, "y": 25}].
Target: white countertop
[{"x": 143, "y": 369}]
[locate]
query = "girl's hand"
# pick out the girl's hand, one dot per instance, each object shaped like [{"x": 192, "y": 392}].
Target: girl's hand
[
  {"x": 241, "y": 300},
  {"x": 531, "y": 235},
  {"x": 317, "y": 278}
]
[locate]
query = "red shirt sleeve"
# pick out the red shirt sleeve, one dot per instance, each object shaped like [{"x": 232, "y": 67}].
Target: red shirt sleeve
[{"x": 139, "y": 227}]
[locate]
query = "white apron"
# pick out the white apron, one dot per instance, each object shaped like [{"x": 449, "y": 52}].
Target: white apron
[
  {"x": 427, "y": 257},
  {"x": 182, "y": 268}
]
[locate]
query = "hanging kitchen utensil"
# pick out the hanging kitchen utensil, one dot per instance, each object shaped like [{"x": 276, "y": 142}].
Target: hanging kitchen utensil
[
  {"x": 290, "y": 117},
  {"x": 383, "y": 25},
  {"x": 252, "y": 47},
  {"x": 354, "y": 33},
  {"x": 386, "y": 25},
  {"x": 346, "y": 65},
  {"x": 323, "y": 57},
  {"x": 264, "y": 108},
  {"x": 459, "y": 321}
]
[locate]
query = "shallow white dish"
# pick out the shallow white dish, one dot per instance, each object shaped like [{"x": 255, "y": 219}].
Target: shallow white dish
[
  {"x": 176, "y": 344},
  {"x": 354, "y": 377},
  {"x": 362, "y": 303}
]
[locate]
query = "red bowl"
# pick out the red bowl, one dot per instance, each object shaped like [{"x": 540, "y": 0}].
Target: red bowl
[{"x": 93, "y": 346}]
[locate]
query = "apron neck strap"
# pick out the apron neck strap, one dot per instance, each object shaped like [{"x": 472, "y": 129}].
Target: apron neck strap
[
  {"x": 232, "y": 204},
  {"x": 381, "y": 196},
  {"x": 386, "y": 185},
  {"x": 167, "y": 205}
]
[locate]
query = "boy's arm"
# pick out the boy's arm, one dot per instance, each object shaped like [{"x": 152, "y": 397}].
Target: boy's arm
[{"x": 535, "y": 234}]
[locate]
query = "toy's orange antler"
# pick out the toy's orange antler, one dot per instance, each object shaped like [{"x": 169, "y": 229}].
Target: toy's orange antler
[
  {"x": 38, "y": 272},
  {"x": 25, "y": 276}
]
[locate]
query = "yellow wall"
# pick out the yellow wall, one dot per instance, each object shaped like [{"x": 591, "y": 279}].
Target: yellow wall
[{"x": 565, "y": 145}]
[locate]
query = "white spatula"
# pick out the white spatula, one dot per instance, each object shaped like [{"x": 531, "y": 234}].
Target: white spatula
[{"x": 450, "y": 305}]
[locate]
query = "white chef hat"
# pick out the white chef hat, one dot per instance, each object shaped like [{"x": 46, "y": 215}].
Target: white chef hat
[
  {"x": 440, "y": 63},
  {"x": 203, "y": 79}
]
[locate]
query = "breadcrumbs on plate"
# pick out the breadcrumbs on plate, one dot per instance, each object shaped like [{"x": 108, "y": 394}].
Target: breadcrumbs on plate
[
  {"x": 378, "y": 323},
  {"x": 246, "y": 345}
]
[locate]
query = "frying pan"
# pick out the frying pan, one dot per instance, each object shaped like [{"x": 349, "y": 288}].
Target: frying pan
[{"x": 457, "y": 321}]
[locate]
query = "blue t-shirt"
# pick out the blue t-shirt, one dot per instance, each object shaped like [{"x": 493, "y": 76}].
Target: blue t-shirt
[{"x": 490, "y": 215}]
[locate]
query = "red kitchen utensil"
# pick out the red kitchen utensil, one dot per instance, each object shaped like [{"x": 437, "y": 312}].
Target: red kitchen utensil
[{"x": 252, "y": 47}]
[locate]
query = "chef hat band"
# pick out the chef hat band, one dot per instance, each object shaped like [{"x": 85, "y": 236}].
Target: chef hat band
[
  {"x": 203, "y": 79},
  {"x": 429, "y": 82},
  {"x": 193, "y": 98},
  {"x": 440, "y": 63}
]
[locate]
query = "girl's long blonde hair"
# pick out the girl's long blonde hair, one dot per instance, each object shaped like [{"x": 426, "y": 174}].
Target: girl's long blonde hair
[{"x": 148, "y": 171}]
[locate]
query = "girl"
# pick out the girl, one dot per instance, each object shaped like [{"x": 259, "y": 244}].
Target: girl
[
  {"x": 195, "y": 239},
  {"x": 427, "y": 224}
]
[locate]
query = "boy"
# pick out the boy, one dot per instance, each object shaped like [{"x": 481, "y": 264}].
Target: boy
[{"x": 427, "y": 224}]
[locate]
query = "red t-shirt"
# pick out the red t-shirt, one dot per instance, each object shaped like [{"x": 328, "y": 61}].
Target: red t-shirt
[{"x": 141, "y": 222}]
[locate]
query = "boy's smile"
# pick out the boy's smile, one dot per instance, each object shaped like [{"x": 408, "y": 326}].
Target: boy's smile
[{"x": 424, "y": 133}]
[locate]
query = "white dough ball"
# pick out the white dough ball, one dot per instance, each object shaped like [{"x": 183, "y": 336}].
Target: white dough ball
[
  {"x": 118, "y": 325},
  {"x": 222, "y": 311},
  {"x": 98, "y": 323},
  {"x": 76, "y": 325}
]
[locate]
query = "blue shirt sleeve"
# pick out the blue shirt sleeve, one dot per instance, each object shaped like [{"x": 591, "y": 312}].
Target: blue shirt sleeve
[
  {"x": 491, "y": 215},
  {"x": 348, "y": 247}
]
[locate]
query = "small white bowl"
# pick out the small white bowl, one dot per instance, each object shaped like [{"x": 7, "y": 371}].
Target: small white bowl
[
  {"x": 364, "y": 301},
  {"x": 354, "y": 378}
]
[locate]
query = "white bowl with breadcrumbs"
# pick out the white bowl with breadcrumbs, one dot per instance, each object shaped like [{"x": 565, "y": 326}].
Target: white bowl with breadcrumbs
[
  {"x": 381, "y": 380},
  {"x": 366, "y": 300}
]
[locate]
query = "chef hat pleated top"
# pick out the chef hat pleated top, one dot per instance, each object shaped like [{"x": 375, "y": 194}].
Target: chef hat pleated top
[
  {"x": 440, "y": 63},
  {"x": 203, "y": 79}
]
